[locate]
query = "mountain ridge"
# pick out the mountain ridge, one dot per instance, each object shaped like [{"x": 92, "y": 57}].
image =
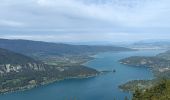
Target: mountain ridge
[{"x": 39, "y": 48}]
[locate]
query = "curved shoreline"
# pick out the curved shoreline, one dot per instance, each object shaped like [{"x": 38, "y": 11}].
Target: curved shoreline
[{"x": 29, "y": 87}]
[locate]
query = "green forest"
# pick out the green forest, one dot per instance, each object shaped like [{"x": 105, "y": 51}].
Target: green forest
[{"x": 160, "y": 91}]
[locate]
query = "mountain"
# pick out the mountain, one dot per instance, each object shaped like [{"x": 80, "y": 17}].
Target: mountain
[
  {"x": 151, "y": 44},
  {"x": 18, "y": 72},
  {"x": 38, "y": 48},
  {"x": 9, "y": 57}
]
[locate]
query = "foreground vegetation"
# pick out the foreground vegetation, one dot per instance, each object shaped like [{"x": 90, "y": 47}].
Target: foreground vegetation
[
  {"x": 160, "y": 91},
  {"x": 140, "y": 84}
]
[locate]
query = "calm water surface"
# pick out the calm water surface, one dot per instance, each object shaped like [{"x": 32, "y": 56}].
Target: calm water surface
[{"x": 103, "y": 87}]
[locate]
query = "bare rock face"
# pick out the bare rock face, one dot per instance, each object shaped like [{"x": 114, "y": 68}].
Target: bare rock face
[
  {"x": 8, "y": 68},
  {"x": 11, "y": 62}
]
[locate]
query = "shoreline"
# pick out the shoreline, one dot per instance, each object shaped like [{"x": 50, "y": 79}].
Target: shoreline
[
  {"x": 130, "y": 85},
  {"x": 29, "y": 87}
]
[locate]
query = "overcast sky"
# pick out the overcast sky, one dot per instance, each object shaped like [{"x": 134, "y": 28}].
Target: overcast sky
[{"x": 85, "y": 20}]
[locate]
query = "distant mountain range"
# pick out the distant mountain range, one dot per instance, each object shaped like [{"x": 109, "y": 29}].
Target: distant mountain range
[
  {"x": 38, "y": 48},
  {"x": 151, "y": 44}
]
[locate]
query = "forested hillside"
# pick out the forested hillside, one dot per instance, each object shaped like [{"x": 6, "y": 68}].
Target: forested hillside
[
  {"x": 160, "y": 91},
  {"x": 38, "y": 48},
  {"x": 18, "y": 72}
]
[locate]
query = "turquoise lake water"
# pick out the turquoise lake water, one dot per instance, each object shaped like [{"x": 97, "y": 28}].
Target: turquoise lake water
[{"x": 103, "y": 87}]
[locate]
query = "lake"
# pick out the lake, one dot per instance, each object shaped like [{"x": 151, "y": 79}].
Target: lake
[{"x": 102, "y": 87}]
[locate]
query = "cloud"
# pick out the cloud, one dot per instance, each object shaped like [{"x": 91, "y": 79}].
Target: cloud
[
  {"x": 66, "y": 13},
  {"x": 10, "y": 23},
  {"x": 85, "y": 17},
  {"x": 122, "y": 13}
]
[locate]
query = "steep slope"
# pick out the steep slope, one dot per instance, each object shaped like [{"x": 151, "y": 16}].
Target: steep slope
[
  {"x": 7, "y": 57},
  {"x": 18, "y": 72},
  {"x": 160, "y": 91}
]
